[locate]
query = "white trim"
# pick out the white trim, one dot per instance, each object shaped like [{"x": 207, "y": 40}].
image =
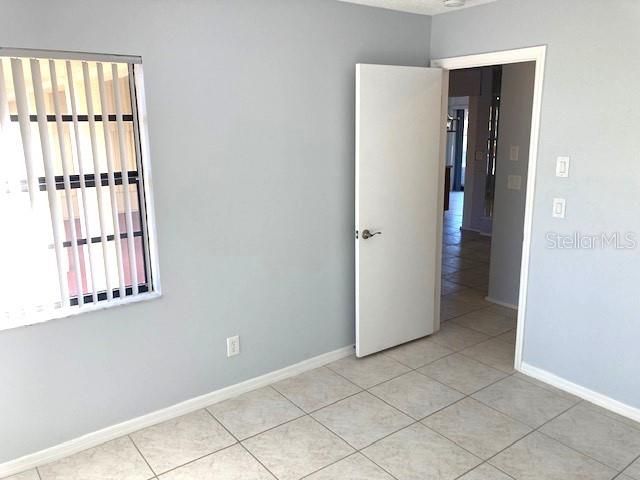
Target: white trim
[
  {"x": 574, "y": 389},
  {"x": 145, "y": 159},
  {"x": 437, "y": 301},
  {"x": 531, "y": 54},
  {"x": 115, "y": 431},
  {"x": 35, "y": 318},
  {"x": 356, "y": 203},
  {"x": 502, "y": 304},
  {"x": 68, "y": 55}
]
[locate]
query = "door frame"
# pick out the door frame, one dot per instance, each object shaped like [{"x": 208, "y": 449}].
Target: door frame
[{"x": 531, "y": 54}]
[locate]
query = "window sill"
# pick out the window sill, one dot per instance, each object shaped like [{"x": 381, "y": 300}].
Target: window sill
[{"x": 54, "y": 314}]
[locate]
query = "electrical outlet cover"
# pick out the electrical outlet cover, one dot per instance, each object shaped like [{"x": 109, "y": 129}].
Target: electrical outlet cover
[
  {"x": 559, "y": 207},
  {"x": 233, "y": 346}
]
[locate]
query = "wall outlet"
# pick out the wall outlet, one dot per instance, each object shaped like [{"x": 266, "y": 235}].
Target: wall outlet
[{"x": 233, "y": 346}]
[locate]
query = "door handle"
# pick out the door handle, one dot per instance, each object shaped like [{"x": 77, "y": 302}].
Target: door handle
[{"x": 366, "y": 234}]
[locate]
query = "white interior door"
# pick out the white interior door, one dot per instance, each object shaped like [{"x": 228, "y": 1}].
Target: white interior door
[{"x": 399, "y": 191}]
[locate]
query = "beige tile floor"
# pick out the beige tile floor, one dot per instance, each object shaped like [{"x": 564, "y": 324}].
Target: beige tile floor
[{"x": 441, "y": 408}]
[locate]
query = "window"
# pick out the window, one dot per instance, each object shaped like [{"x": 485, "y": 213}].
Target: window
[{"x": 74, "y": 190}]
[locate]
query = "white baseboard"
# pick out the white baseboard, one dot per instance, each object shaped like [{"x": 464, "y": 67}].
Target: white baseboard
[
  {"x": 582, "y": 392},
  {"x": 502, "y": 304},
  {"x": 110, "y": 433}
]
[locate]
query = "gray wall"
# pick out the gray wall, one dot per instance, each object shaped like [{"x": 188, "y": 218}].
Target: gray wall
[
  {"x": 582, "y": 310},
  {"x": 251, "y": 112},
  {"x": 516, "y": 105}
]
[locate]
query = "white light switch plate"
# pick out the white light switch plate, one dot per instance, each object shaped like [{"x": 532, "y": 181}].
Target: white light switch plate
[
  {"x": 559, "y": 207},
  {"x": 562, "y": 167},
  {"x": 514, "y": 153},
  {"x": 514, "y": 182}
]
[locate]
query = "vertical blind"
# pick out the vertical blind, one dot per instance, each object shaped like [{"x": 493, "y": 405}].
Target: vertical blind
[{"x": 72, "y": 202}]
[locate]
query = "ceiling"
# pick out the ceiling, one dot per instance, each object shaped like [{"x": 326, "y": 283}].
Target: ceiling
[{"x": 424, "y": 7}]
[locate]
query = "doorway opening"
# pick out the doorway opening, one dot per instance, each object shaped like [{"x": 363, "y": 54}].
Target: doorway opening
[
  {"x": 468, "y": 236},
  {"x": 401, "y": 113},
  {"x": 486, "y": 226}
]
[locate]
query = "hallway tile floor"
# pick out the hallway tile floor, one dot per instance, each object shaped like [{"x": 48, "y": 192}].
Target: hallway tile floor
[{"x": 445, "y": 407}]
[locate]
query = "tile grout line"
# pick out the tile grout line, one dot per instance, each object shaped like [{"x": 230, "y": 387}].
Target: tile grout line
[
  {"x": 574, "y": 449},
  {"x": 239, "y": 442},
  {"x": 355, "y": 453},
  {"x": 486, "y": 364},
  {"x": 379, "y": 383},
  {"x": 361, "y": 452},
  {"x": 627, "y": 467},
  {"x": 634, "y": 426},
  {"x": 414, "y": 369},
  {"x": 476, "y": 309},
  {"x": 155, "y": 474},
  {"x": 463, "y": 314},
  {"x": 201, "y": 456},
  {"x": 486, "y": 462},
  {"x": 173, "y": 469},
  {"x": 459, "y": 352},
  {"x": 355, "y": 450},
  {"x": 249, "y": 452},
  {"x": 499, "y": 469},
  {"x": 537, "y": 430},
  {"x": 491, "y": 336}
]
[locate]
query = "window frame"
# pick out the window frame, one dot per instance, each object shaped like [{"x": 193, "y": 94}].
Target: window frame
[{"x": 145, "y": 192}]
